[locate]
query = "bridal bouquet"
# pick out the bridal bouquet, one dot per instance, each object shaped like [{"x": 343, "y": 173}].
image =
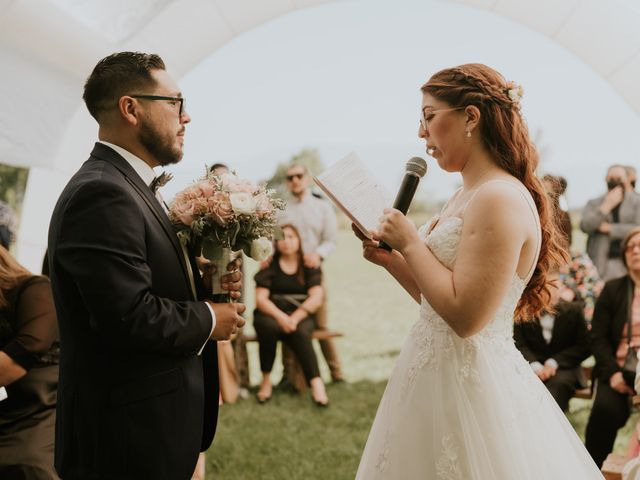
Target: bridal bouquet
[{"x": 220, "y": 214}]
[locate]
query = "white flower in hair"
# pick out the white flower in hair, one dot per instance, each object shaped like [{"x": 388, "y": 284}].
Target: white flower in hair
[{"x": 514, "y": 91}]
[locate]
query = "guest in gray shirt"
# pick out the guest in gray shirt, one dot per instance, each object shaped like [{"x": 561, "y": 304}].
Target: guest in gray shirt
[
  {"x": 607, "y": 219},
  {"x": 316, "y": 221}
]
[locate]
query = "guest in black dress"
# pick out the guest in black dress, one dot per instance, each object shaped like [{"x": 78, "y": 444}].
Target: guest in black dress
[
  {"x": 287, "y": 296},
  {"x": 29, "y": 354}
]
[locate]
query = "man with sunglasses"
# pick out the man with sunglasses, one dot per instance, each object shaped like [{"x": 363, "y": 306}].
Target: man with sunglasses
[
  {"x": 316, "y": 221},
  {"x": 138, "y": 388}
]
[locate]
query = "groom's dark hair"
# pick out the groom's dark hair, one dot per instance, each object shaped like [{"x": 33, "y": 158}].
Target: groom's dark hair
[{"x": 122, "y": 73}]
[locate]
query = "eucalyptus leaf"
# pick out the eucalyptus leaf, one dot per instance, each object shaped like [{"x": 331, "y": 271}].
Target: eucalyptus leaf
[{"x": 235, "y": 234}]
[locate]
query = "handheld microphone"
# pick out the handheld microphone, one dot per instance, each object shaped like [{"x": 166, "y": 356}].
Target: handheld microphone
[{"x": 415, "y": 169}]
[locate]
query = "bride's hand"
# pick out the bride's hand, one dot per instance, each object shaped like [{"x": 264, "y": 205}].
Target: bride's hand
[
  {"x": 396, "y": 230},
  {"x": 372, "y": 253},
  {"x": 370, "y": 250}
]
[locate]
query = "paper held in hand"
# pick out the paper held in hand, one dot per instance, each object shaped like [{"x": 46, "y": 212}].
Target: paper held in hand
[{"x": 351, "y": 187}]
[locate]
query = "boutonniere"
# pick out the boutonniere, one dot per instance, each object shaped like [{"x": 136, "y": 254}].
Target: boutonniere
[{"x": 160, "y": 181}]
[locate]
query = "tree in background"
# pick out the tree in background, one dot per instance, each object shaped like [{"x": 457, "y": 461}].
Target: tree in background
[{"x": 13, "y": 183}]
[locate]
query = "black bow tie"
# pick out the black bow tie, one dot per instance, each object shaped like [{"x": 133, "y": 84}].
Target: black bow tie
[{"x": 160, "y": 181}]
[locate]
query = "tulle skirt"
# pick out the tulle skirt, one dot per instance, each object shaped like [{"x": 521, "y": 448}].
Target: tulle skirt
[{"x": 470, "y": 409}]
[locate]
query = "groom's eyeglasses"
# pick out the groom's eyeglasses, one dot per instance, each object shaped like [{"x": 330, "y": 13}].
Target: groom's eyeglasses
[{"x": 174, "y": 100}]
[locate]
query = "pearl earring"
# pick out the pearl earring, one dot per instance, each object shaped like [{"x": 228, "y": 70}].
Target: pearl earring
[{"x": 468, "y": 133}]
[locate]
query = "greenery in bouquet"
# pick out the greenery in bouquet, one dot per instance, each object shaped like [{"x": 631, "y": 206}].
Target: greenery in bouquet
[{"x": 226, "y": 212}]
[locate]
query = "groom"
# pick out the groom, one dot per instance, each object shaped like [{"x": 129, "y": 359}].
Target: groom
[{"x": 138, "y": 391}]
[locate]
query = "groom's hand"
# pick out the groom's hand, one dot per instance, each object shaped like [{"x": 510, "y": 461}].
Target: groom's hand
[
  {"x": 231, "y": 282},
  {"x": 228, "y": 319}
]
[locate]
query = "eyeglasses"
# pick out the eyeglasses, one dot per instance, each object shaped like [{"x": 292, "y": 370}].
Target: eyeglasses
[
  {"x": 295, "y": 175},
  {"x": 160, "y": 97},
  {"x": 426, "y": 117},
  {"x": 631, "y": 247}
]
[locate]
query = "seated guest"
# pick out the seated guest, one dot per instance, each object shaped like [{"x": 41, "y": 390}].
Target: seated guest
[
  {"x": 615, "y": 337},
  {"x": 28, "y": 373},
  {"x": 287, "y": 295},
  {"x": 555, "y": 344}
]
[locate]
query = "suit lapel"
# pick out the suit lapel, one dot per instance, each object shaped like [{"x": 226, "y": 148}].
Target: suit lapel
[{"x": 107, "y": 154}]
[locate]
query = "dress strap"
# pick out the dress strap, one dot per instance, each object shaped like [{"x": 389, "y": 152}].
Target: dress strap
[
  {"x": 534, "y": 211},
  {"x": 455, "y": 195}
]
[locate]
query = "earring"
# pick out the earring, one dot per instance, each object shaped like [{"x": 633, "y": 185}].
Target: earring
[{"x": 468, "y": 133}]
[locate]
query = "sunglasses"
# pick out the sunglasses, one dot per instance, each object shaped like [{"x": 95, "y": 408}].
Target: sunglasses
[{"x": 295, "y": 175}]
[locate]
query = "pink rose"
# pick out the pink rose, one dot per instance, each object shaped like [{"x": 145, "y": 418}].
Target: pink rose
[
  {"x": 232, "y": 183},
  {"x": 183, "y": 210},
  {"x": 220, "y": 207},
  {"x": 205, "y": 188}
]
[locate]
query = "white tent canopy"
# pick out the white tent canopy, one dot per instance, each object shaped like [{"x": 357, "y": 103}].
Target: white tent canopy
[{"x": 48, "y": 47}]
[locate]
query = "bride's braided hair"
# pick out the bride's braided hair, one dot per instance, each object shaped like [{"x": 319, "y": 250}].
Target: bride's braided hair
[{"x": 506, "y": 137}]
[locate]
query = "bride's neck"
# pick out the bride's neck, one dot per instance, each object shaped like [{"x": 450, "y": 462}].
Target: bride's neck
[{"x": 478, "y": 169}]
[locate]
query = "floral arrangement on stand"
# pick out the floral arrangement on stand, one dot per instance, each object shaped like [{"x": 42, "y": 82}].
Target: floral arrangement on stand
[
  {"x": 581, "y": 276},
  {"x": 221, "y": 214}
]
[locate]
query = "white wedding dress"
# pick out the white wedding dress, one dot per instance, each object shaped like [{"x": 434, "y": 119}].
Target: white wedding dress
[{"x": 469, "y": 409}]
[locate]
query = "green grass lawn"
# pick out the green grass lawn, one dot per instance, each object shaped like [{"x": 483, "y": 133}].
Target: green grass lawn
[{"x": 291, "y": 438}]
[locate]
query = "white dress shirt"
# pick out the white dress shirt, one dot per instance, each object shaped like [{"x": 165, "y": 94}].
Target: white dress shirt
[
  {"x": 547, "y": 321},
  {"x": 146, "y": 173}
]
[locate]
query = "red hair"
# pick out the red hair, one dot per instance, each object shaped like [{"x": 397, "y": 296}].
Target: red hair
[{"x": 504, "y": 134}]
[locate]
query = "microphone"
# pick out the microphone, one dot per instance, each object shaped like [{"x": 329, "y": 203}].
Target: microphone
[{"x": 415, "y": 169}]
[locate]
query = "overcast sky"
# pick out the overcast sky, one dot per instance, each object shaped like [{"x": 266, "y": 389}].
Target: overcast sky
[{"x": 345, "y": 77}]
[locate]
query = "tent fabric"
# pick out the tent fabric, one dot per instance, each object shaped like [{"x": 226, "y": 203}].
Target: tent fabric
[{"x": 47, "y": 48}]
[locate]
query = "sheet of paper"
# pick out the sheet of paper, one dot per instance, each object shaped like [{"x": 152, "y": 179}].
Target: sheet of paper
[{"x": 353, "y": 189}]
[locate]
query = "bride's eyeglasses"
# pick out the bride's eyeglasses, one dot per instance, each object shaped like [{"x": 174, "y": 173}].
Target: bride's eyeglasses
[{"x": 427, "y": 116}]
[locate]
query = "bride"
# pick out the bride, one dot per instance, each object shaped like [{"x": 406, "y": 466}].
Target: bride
[{"x": 462, "y": 402}]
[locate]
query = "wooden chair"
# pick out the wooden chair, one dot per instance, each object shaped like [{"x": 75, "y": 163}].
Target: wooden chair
[
  {"x": 294, "y": 370},
  {"x": 613, "y": 465}
]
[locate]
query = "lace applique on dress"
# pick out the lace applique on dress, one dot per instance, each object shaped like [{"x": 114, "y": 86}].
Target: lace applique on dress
[
  {"x": 427, "y": 340},
  {"x": 383, "y": 456},
  {"x": 447, "y": 466},
  {"x": 467, "y": 372}
]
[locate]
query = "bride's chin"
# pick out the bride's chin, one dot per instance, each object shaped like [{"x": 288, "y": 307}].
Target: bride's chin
[{"x": 444, "y": 165}]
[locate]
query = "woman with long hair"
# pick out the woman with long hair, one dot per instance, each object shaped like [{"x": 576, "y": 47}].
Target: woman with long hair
[
  {"x": 288, "y": 294},
  {"x": 29, "y": 353},
  {"x": 462, "y": 402}
]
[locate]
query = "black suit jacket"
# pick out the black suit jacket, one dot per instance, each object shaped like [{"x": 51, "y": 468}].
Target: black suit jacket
[
  {"x": 569, "y": 344},
  {"x": 609, "y": 320},
  {"x": 133, "y": 401}
]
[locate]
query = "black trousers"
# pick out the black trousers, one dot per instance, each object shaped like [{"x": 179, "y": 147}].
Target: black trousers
[
  {"x": 609, "y": 413},
  {"x": 563, "y": 386},
  {"x": 269, "y": 333}
]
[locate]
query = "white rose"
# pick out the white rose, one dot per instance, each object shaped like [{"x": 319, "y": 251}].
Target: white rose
[
  {"x": 243, "y": 203},
  {"x": 261, "y": 248}
]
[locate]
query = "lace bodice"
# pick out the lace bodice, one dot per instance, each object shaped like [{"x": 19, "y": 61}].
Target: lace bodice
[{"x": 443, "y": 241}]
